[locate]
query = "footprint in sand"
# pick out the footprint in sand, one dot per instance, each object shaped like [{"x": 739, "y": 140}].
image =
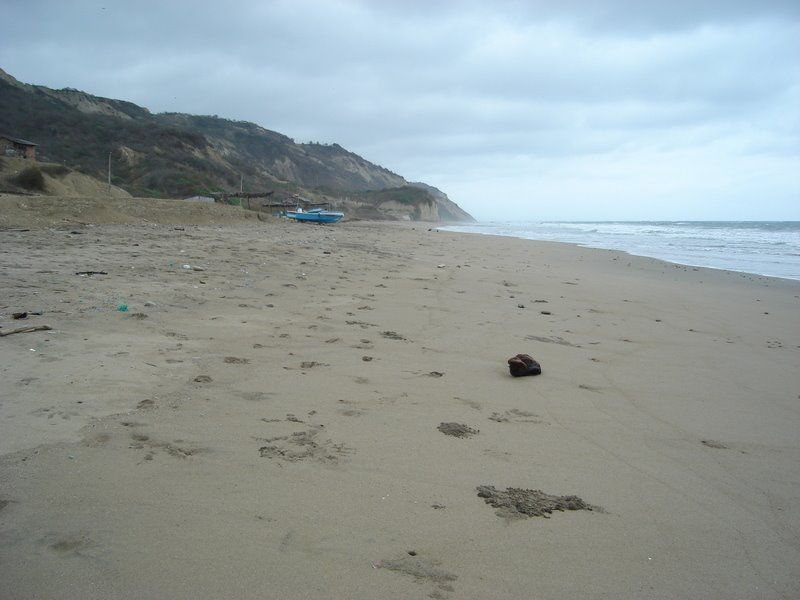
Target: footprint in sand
[
  {"x": 361, "y": 324},
  {"x": 590, "y": 388},
  {"x": 516, "y": 416},
  {"x": 70, "y": 544},
  {"x": 351, "y": 412},
  {"x": 423, "y": 570},
  {"x": 176, "y": 335},
  {"x": 303, "y": 445},
  {"x": 471, "y": 403},
  {"x": 457, "y": 430},
  {"x": 392, "y": 335},
  {"x": 177, "y": 449},
  {"x": 553, "y": 339},
  {"x": 254, "y": 396},
  {"x": 714, "y": 444},
  {"x": 96, "y": 440},
  {"x": 310, "y": 364},
  {"x": 52, "y": 411}
]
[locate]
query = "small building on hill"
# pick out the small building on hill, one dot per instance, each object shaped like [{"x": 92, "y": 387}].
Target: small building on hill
[{"x": 11, "y": 146}]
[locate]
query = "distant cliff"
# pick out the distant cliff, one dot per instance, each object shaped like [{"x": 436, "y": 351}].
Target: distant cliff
[{"x": 173, "y": 155}]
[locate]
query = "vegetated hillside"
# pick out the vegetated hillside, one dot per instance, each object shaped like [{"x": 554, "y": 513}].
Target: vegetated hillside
[{"x": 174, "y": 155}]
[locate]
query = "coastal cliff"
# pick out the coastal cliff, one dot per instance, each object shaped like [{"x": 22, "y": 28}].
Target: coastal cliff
[{"x": 176, "y": 155}]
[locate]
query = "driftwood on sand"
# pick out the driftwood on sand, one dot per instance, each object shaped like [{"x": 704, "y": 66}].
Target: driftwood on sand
[{"x": 26, "y": 329}]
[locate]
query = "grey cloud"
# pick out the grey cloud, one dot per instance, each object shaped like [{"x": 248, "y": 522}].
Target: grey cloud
[
  {"x": 450, "y": 88},
  {"x": 635, "y": 17}
]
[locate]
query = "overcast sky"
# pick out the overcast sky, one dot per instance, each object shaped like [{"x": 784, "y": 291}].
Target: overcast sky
[{"x": 518, "y": 110}]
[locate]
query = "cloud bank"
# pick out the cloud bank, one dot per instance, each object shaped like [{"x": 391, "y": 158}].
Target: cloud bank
[{"x": 518, "y": 110}]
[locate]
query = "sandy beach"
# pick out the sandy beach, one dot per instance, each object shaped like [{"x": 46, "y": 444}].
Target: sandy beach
[{"x": 250, "y": 409}]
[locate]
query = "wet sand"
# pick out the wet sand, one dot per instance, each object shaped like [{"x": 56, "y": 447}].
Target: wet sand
[{"x": 276, "y": 410}]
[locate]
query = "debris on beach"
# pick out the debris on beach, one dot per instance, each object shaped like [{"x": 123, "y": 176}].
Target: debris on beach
[
  {"x": 523, "y": 364},
  {"x": 518, "y": 503},
  {"x": 25, "y": 315},
  {"x": 26, "y": 330}
]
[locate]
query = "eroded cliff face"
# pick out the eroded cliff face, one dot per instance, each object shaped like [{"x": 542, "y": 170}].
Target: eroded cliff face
[
  {"x": 423, "y": 211},
  {"x": 388, "y": 210},
  {"x": 447, "y": 209}
]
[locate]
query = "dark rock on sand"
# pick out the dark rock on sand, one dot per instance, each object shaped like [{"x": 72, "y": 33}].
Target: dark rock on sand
[{"x": 522, "y": 364}]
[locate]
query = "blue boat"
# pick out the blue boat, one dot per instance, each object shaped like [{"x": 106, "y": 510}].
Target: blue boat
[{"x": 315, "y": 215}]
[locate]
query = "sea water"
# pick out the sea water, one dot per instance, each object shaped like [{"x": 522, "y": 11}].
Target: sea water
[{"x": 769, "y": 248}]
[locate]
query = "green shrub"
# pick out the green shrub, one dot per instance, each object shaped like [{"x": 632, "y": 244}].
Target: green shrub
[{"x": 30, "y": 178}]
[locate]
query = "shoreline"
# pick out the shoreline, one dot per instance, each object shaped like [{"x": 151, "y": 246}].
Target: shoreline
[
  {"x": 269, "y": 419},
  {"x": 700, "y": 261},
  {"x": 630, "y": 253}
]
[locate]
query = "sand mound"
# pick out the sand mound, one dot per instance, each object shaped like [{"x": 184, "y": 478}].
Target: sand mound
[
  {"x": 41, "y": 212},
  {"x": 47, "y": 195},
  {"x": 520, "y": 503},
  {"x": 27, "y": 177}
]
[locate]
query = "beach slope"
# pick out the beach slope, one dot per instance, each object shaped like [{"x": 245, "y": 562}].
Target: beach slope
[{"x": 281, "y": 410}]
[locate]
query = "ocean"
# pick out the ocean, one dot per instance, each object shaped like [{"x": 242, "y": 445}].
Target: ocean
[{"x": 769, "y": 248}]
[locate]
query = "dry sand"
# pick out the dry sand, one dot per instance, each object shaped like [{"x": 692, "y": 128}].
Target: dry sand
[{"x": 297, "y": 411}]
